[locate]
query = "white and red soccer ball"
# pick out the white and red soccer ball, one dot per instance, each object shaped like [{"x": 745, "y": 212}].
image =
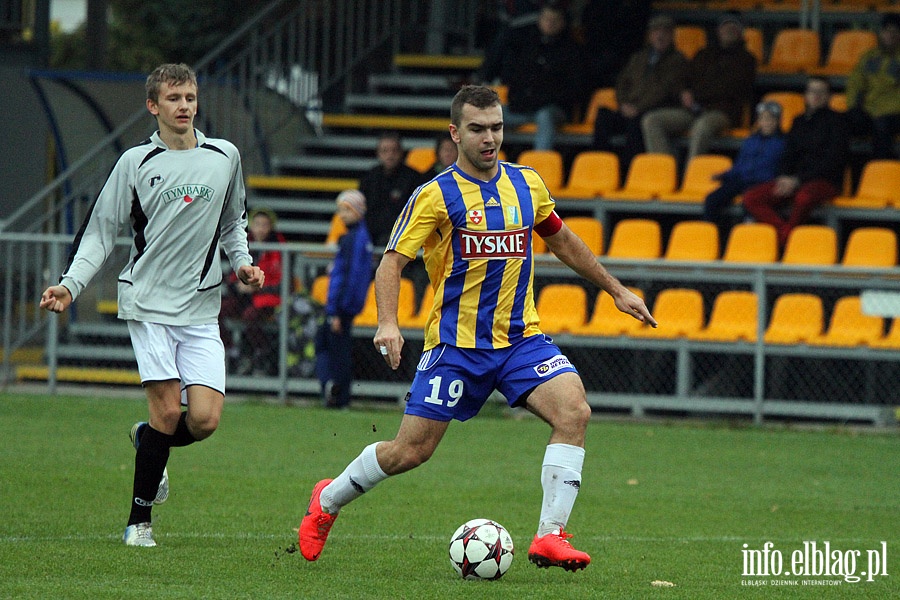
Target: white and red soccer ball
[{"x": 481, "y": 549}]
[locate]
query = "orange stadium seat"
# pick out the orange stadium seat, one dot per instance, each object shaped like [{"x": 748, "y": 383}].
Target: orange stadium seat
[
  {"x": 753, "y": 41},
  {"x": 838, "y": 102},
  {"x": 796, "y": 319},
  {"x": 679, "y": 313},
  {"x": 562, "y": 307},
  {"x": 590, "y": 230},
  {"x": 335, "y": 231},
  {"x": 318, "y": 291},
  {"x": 650, "y": 175},
  {"x": 693, "y": 240},
  {"x": 847, "y": 47},
  {"x": 870, "y": 247},
  {"x": 538, "y": 245},
  {"x": 609, "y": 321},
  {"x": 751, "y": 243},
  {"x": 792, "y": 106},
  {"x": 879, "y": 186},
  {"x": 689, "y": 39},
  {"x": 601, "y": 98},
  {"x": 733, "y": 318},
  {"x": 635, "y": 238},
  {"x": 421, "y": 158},
  {"x": 811, "y": 245},
  {"x": 418, "y": 319},
  {"x": 593, "y": 174},
  {"x": 548, "y": 164},
  {"x": 406, "y": 304},
  {"x": 892, "y": 340},
  {"x": 850, "y": 327},
  {"x": 698, "y": 178},
  {"x": 793, "y": 51}
]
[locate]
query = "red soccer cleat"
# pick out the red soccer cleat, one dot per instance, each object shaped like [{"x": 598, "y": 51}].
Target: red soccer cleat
[
  {"x": 315, "y": 526},
  {"x": 553, "y": 550}
]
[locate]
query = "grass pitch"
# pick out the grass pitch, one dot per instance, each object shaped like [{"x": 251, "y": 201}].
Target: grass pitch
[{"x": 660, "y": 502}]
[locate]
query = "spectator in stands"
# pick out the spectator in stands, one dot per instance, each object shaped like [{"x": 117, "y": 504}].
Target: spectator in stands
[
  {"x": 757, "y": 161},
  {"x": 348, "y": 285},
  {"x": 652, "y": 78},
  {"x": 613, "y": 30},
  {"x": 811, "y": 170},
  {"x": 387, "y": 187},
  {"x": 873, "y": 90},
  {"x": 540, "y": 66},
  {"x": 254, "y": 306},
  {"x": 445, "y": 152},
  {"x": 719, "y": 85}
]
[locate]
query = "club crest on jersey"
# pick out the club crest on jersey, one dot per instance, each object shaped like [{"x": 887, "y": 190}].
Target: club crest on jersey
[
  {"x": 552, "y": 365},
  {"x": 475, "y": 216},
  {"x": 188, "y": 193},
  {"x": 493, "y": 245}
]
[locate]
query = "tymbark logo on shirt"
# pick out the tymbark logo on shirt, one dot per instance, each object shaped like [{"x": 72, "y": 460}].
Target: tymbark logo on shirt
[{"x": 188, "y": 193}]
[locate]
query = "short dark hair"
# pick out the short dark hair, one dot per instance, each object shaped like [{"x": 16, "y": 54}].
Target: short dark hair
[
  {"x": 479, "y": 96},
  {"x": 175, "y": 74}
]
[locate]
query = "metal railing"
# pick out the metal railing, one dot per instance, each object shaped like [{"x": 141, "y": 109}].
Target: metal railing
[
  {"x": 625, "y": 374},
  {"x": 257, "y": 89}
]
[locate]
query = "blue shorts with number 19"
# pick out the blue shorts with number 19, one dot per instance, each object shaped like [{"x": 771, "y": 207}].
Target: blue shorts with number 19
[{"x": 454, "y": 383}]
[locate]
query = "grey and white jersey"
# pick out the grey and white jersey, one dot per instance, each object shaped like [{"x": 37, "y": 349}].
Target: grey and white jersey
[{"x": 181, "y": 206}]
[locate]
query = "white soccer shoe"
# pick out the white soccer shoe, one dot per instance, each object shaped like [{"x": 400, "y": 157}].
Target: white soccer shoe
[{"x": 140, "y": 534}]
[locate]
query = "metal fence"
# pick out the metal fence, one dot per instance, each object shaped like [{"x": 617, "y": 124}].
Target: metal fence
[{"x": 623, "y": 374}]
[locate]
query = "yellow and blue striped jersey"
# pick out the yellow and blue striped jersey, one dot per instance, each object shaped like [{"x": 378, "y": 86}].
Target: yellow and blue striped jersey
[{"x": 476, "y": 237}]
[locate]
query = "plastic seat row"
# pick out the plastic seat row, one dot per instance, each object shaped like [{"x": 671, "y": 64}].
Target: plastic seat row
[
  {"x": 654, "y": 177},
  {"x": 747, "y": 243},
  {"x": 797, "y": 318},
  {"x": 793, "y": 50}
]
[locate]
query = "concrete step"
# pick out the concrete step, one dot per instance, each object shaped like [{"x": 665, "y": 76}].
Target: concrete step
[
  {"x": 313, "y": 163},
  {"x": 437, "y": 104},
  {"x": 354, "y": 142},
  {"x": 412, "y": 82}
]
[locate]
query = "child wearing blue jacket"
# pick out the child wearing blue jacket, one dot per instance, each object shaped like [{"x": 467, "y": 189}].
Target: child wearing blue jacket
[
  {"x": 348, "y": 285},
  {"x": 756, "y": 162}
]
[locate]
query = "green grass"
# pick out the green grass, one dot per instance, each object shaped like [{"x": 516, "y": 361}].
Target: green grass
[{"x": 671, "y": 502}]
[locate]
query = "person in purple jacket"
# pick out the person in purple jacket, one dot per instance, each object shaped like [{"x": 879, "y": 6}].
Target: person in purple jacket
[
  {"x": 348, "y": 285},
  {"x": 756, "y": 162}
]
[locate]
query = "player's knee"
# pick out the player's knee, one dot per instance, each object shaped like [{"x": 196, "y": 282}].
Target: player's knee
[{"x": 204, "y": 426}]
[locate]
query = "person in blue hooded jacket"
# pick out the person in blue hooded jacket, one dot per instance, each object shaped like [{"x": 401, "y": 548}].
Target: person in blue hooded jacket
[
  {"x": 348, "y": 285},
  {"x": 756, "y": 162}
]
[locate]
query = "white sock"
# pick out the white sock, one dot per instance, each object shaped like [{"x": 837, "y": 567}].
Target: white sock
[
  {"x": 561, "y": 480},
  {"x": 359, "y": 477}
]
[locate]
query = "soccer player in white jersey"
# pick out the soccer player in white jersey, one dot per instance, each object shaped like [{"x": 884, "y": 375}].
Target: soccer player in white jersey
[{"x": 181, "y": 195}]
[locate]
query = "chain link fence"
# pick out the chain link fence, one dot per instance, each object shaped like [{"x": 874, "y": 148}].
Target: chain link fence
[{"x": 791, "y": 362}]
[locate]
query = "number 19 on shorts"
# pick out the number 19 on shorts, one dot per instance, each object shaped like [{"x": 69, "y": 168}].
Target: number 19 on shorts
[{"x": 454, "y": 391}]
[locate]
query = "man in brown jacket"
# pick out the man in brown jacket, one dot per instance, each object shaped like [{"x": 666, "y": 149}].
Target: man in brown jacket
[
  {"x": 719, "y": 85},
  {"x": 653, "y": 77}
]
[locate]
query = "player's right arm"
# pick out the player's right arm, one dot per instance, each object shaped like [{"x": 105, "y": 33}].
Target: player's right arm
[
  {"x": 572, "y": 251},
  {"x": 387, "y": 292}
]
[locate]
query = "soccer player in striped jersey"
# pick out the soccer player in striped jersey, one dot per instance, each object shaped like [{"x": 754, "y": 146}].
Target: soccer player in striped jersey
[
  {"x": 475, "y": 222},
  {"x": 182, "y": 197}
]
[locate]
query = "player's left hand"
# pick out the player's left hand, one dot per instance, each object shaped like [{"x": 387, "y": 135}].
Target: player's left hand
[{"x": 252, "y": 276}]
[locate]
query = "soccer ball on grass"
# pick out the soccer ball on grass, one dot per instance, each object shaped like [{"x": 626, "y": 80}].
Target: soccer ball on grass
[{"x": 481, "y": 549}]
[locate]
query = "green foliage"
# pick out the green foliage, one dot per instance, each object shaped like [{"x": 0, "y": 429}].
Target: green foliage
[
  {"x": 672, "y": 503},
  {"x": 144, "y": 34}
]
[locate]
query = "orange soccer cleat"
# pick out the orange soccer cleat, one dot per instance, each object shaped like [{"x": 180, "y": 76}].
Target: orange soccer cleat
[
  {"x": 553, "y": 550},
  {"x": 316, "y": 525}
]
